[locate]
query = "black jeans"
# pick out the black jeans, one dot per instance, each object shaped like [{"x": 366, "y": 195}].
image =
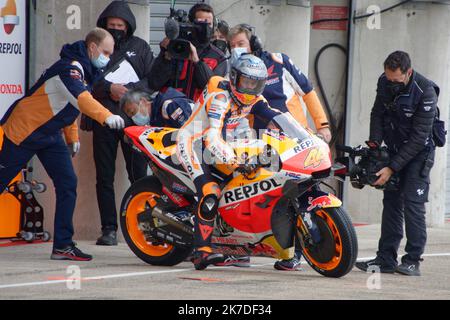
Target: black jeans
[
  {"x": 106, "y": 142},
  {"x": 408, "y": 205}
]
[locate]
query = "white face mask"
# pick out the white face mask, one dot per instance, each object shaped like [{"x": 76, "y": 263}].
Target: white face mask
[
  {"x": 140, "y": 119},
  {"x": 236, "y": 53},
  {"x": 100, "y": 62}
]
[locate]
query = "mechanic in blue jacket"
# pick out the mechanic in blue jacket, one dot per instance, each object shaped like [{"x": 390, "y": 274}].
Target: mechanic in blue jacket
[
  {"x": 34, "y": 124},
  {"x": 169, "y": 109},
  {"x": 286, "y": 85}
]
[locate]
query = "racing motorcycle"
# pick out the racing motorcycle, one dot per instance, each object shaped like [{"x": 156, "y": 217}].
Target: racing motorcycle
[{"x": 262, "y": 213}]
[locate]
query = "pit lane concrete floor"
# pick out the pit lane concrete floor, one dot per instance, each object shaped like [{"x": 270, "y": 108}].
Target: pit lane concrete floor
[{"x": 115, "y": 273}]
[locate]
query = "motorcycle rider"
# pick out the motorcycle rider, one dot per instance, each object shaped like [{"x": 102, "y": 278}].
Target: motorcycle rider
[
  {"x": 286, "y": 86},
  {"x": 221, "y": 104}
]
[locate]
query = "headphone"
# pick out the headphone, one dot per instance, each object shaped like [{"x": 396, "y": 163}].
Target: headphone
[
  {"x": 199, "y": 7},
  {"x": 255, "y": 42}
]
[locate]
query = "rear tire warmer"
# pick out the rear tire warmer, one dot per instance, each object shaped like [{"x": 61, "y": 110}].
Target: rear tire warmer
[{"x": 173, "y": 256}]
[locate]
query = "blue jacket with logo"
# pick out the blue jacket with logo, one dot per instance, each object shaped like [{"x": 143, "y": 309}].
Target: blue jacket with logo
[
  {"x": 287, "y": 85},
  {"x": 55, "y": 101},
  {"x": 171, "y": 109}
]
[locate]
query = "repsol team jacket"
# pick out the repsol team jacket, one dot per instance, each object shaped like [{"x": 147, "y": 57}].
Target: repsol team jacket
[
  {"x": 55, "y": 101},
  {"x": 286, "y": 86}
]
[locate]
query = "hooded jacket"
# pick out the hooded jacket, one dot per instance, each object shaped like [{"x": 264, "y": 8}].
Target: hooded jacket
[
  {"x": 55, "y": 101},
  {"x": 135, "y": 50}
]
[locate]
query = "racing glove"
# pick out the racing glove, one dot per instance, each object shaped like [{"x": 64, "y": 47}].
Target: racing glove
[{"x": 247, "y": 168}]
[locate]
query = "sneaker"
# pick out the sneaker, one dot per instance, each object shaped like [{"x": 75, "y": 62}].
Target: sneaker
[
  {"x": 108, "y": 238},
  {"x": 409, "y": 268},
  {"x": 70, "y": 253},
  {"x": 288, "y": 264},
  {"x": 202, "y": 259},
  {"x": 235, "y": 261},
  {"x": 374, "y": 265}
]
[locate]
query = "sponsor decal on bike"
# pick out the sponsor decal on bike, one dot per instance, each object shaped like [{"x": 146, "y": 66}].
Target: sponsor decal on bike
[
  {"x": 323, "y": 202},
  {"x": 314, "y": 158},
  {"x": 176, "y": 198},
  {"x": 303, "y": 145},
  {"x": 229, "y": 241},
  {"x": 263, "y": 249},
  {"x": 185, "y": 158},
  {"x": 252, "y": 190},
  {"x": 179, "y": 188},
  {"x": 293, "y": 175}
]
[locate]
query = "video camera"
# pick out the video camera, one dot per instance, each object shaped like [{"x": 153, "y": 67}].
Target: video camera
[
  {"x": 363, "y": 163},
  {"x": 182, "y": 32}
]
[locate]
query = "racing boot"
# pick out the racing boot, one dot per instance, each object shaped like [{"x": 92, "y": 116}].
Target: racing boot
[
  {"x": 204, "y": 226},
  {"x": 204, "y": 256}
]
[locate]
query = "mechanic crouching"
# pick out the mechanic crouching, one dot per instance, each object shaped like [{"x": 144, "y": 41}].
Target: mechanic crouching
[
  {"x": 402, "y": 118},
  {"x": 170, "y": 109}
]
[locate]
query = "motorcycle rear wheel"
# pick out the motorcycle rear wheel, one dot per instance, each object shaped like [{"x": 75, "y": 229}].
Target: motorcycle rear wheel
[{"x": 134, "y": 202}]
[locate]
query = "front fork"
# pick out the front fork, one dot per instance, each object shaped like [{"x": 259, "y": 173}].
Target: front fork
[{"x": 305, "y": 207}]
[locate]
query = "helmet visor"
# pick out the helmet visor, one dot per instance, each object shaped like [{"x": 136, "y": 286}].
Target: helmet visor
[{"x": 250, "y": 85}]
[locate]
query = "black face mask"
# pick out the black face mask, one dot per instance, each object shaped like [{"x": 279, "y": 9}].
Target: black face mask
[
  {"x": 222, "y": 45},
  {"x": 118, "y": 35},
  {"x": 396, "y": 88}
]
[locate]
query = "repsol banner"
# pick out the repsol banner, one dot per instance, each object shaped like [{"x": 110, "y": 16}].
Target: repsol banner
[{"x": 13, "y": 49}]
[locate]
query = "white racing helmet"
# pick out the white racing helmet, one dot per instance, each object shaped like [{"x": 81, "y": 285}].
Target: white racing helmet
[{"x": 247, "y": 78}]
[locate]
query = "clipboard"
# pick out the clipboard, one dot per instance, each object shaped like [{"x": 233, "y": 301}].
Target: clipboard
[{"x": 122, "y": 73}]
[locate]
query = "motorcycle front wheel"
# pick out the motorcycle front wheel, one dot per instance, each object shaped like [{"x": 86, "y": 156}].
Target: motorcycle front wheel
[{"x": 335, "y": 254}]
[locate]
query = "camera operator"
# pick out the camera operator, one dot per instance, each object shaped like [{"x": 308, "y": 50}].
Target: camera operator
[
  {"x": 205, "y": 60},
  {"x": 402, "y": 117}
]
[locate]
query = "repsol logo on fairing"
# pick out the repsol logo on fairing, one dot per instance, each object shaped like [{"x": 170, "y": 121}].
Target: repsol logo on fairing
[{"x": 249, "y": 191}]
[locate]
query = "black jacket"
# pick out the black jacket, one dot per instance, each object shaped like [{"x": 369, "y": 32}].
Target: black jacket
[
  {"x": 405, "y": 121},
  {"x": 135, "y": 50},
  {"x": 186, "y": 76}
]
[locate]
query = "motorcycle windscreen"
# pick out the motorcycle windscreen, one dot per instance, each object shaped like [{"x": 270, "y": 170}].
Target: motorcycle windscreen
[{"x": 290, "y": 127}]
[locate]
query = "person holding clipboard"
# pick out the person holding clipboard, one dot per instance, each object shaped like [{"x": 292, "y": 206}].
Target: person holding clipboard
[{"x": 128, "y": 69}]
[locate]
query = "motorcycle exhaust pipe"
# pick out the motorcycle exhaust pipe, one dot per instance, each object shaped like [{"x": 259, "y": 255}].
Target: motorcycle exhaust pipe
[{"x": 171, "y": 220}]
